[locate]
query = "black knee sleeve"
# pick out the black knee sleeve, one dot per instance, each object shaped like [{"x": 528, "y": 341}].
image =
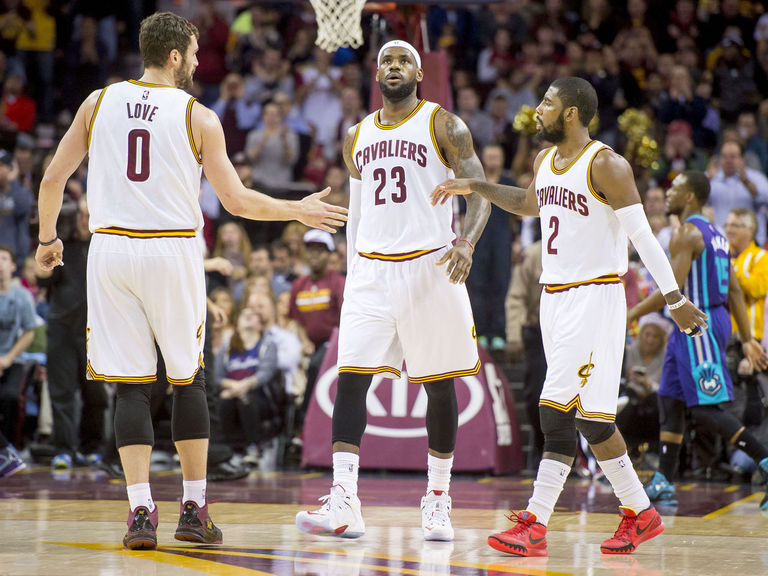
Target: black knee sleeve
[
  {"x": 442, "y": 415},
  {"x": 717, "y": 419},
  {"x": 671, "y": 415},
  {"x": 133, "y": 418},
  {"x": 559, "y": 431},
  {"x": 349, "y": 411},
  {"x": 190, "y": 419},
  {"x": 594, "y": 431}
]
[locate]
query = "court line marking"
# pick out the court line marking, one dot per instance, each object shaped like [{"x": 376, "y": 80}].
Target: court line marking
[{"x": 730, "y": 506}]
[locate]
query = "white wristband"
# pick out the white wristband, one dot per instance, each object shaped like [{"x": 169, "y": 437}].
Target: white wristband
[{"x": 678, "y": 304}]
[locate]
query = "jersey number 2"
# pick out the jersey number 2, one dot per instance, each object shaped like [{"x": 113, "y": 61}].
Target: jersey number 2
[
  {"x": 138, "y": 155},
  {"x": 554, "y": 225},
  {"x": 398, "y": 175}
]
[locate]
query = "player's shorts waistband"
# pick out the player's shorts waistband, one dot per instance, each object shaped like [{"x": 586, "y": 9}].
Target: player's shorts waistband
[
  {"x": 116, "y": 231},
  {"x": 397, "y": 257},
  {"x": 607, "y": 279}
]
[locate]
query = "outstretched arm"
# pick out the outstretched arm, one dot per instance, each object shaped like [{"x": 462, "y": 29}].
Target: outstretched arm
[
  {"x": 513, "y": 199},
  {"x": 612, "y": 177},
  {"x": 455, "y": 142},
  {"x": 242, "y": 201}
]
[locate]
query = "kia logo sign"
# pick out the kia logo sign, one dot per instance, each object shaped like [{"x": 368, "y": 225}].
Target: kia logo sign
[{"x": 398, "y": 404}]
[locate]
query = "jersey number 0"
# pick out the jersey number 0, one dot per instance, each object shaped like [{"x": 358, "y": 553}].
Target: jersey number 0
[{"x": 138, "y": 155}]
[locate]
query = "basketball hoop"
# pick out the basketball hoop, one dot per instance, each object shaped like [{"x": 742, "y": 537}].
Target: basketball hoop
[{"x": 338, "y": 23}]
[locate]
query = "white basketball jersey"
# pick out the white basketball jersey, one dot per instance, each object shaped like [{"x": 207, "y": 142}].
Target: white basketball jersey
[
  {"x": 581, "y": 236},
  {"x": 400, "y": 165},
  {"x": 144, "y": 169}
]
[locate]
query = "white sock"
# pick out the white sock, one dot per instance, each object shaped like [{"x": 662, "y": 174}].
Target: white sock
[
  {"x": 345, "y": 467},
  {"x": 194, "y": 490},
  {"x": 438, "y": 473},
  {"x": 626, "y": 485},
  {"x": 140, "y": 495},
  {"x": 549, "y": 482}
]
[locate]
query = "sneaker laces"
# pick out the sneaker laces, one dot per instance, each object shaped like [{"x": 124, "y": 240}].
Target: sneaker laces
[
  {"x": 622, "y": 532},
  {"x": 336, "y": 499},
  {"x": 521, "y": 526},
  {"x": 437, "y": 512}
]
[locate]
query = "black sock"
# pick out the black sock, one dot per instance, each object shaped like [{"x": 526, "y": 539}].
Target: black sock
[
  {"x": 669, "y": 454},
  {"x": 752, "y": 446}
]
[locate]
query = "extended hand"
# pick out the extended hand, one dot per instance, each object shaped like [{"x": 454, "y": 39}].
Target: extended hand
[
  {"x": 445, "y": 190},
  {"x": 318, "y": 214},
  {"x": 689, "y": 319},
  {"x": 755, "y": 354},
  {"x": 459, "y": 260},
  {"x": 48, "y": 257}
]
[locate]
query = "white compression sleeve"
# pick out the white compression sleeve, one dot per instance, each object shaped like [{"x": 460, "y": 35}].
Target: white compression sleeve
[
  {"x": 353, "y": 218},
  {"x": 635, "y": 224}
]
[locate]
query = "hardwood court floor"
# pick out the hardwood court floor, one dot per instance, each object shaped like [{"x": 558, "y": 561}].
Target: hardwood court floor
[{"x": 73, "y": 524}]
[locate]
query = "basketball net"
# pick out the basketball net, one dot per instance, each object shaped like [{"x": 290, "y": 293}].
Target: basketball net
[{"x": 338, "y": 23}]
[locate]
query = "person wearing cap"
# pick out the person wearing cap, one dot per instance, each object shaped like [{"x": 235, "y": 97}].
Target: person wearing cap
[
  {"x": 315, "y": 303},
  {"x": 399, "y": 304},
  {"x": 16, "y": 203}
]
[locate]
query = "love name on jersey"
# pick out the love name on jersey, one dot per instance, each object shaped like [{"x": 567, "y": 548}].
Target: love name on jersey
[
  {"x": 559, "y": 196},
  {"x": 391, "y": 149},
  {"x": 142, "y": 111}
]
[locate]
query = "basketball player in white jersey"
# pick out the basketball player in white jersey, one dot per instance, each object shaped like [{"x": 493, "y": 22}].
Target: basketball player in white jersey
[
  {"x": 147, "y": 141},
  {"x": 586, "y": 197},
  {"x": 398, "y": 303}
]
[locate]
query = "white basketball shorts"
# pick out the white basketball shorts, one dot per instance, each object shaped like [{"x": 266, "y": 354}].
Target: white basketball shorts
[
  {"x": 397, "y": 310},
  {"x": 583, "y": 328},
  {"x": 140, "y": 290}
]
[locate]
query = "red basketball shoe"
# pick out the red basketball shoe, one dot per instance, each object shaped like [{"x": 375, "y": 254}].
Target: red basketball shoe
[
  {"x": 633, "y": 530},
  {"x": 526, "y": 538}
]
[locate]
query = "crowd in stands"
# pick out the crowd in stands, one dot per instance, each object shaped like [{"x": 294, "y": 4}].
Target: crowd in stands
[{"x": 698, "y": 69}]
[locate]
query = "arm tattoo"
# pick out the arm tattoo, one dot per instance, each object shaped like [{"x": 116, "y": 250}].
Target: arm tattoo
[
  {"x": 510, "y": 198},
  {"x": 459, "y": 150}
]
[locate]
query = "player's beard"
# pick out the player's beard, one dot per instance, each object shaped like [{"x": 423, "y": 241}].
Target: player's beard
[
  {"x": 555, "y": 133},
  {"x": 183, "y": 76},
  {"x": 398, "y": 93}
]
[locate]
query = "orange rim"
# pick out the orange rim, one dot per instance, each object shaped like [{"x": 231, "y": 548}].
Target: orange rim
[{"x": 380, "y": 6}]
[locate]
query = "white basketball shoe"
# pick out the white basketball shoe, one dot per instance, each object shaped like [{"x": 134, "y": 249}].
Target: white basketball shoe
[
  {"x": 436, "y": 516},
  {"x": 340, "y": 516}
]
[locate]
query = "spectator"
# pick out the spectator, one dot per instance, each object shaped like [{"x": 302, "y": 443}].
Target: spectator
[
  {"x": 498, "y": 59},
  {"x": 293, "y": 238},
  {"x": 24, "y": 155},
  {"x": 237, "y": 114},
  {"x": 17, "y": 324},
  {"x": 733, "y": 185},
  {"x": 87, "y": 66},
  {"x": 752, "y": 141},
  {"x": 679, "y": 154},
  {"x": 638, "y": 420},
  {"x": 283, "y": 273},
  {"x": 504, "y": 134},
  {"x": 211, "y": 55},
  {"x": 352, "y": 112},
  {"x": 36, "y": 43},
  {"x": 316, "y": 303},
  {"x": 78, "y": 427},
  {"x": 478, "y": 121},
  {"x": 317, "y": 92},
  {"x": 233, "y": 245},
  {"x": 488, "y": 282},
  {"x": 734, "y": 79},
  {"x": 269, "y": 75},
  {"x": 524, "y": 335},
  {"x": 272, "y": 150},
  {"x": 15, "y": 209},
  {"x": 680, "y": 102},
  {"x": 18, "y": 111},
  {"x": 251, "y": 392}
]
